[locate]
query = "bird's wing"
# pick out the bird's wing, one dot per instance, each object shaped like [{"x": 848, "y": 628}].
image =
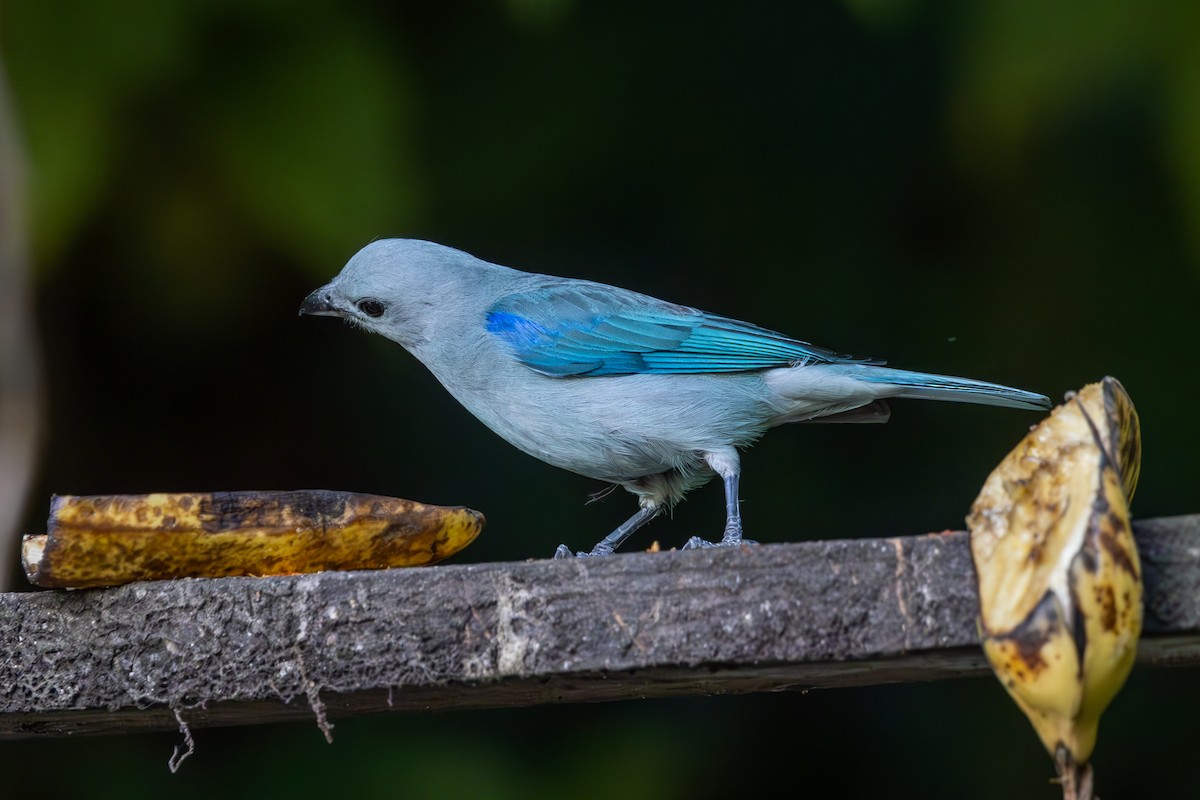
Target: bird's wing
[{"x": 590, "y": 329}]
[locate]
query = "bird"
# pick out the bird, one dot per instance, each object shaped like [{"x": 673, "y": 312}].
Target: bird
[{"x": 612, "y": 384}]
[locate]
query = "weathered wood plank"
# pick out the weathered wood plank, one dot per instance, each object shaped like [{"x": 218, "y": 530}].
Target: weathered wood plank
[{"x": 236, "y": 651}]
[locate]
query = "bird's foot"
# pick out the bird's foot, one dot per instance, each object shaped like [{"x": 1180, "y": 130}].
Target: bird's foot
[
  {"x": 565, "y": 552},
  {"x": 732, "y": 538}
]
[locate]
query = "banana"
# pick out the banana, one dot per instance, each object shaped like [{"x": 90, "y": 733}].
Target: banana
[
  {"x": 113, "y": 539},
  {"x": 1060, "y": 583}
]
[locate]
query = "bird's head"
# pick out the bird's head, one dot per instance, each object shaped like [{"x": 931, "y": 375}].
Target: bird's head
[{"x": 392, "y": 287}]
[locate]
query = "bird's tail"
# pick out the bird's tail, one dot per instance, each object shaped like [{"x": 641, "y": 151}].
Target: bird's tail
[{"x": 924, "y": 386}]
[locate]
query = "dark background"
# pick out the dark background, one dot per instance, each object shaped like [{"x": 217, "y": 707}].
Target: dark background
[{"x": 1003, "y": 190}]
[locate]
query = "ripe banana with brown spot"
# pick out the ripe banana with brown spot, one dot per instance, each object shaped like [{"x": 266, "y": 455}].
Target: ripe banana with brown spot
[
  {"x": 1060, "y": 584},
  {"x": 107, "y": 540}
]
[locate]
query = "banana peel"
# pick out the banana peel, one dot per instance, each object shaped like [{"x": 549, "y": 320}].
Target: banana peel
[
  {"x": 113, "y": 539},
  {"x": 1060, "y": 582}
]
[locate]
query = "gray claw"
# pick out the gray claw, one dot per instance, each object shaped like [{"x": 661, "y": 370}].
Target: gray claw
[
  {"x": 696, "y": 543},
  {"x": 565, "y": 552}
]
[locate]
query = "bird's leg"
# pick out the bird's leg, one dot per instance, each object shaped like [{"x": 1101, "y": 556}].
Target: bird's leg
[
  {"x": 611, "y": 542},
  {"x": 726, "y": 464},
  {"x": 733, "y": 511}
]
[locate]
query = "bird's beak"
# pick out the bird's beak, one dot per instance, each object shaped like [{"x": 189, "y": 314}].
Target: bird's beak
[{"x": 320, "y": 304}]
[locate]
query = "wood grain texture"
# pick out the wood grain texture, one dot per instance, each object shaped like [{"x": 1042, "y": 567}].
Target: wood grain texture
[{"x": 236, "y": 651}]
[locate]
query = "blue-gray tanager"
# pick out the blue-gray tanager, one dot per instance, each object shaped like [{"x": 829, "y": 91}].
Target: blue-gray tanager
[{"x": 612, "y": 384}]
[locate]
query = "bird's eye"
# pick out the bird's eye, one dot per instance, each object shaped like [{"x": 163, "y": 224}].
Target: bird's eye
[{"x": 371, "y": 307}]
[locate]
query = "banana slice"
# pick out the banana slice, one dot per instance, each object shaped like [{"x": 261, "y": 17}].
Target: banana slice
[
  {"x": 1060, "y": 583},
  {"x": 114, "y": 539}
]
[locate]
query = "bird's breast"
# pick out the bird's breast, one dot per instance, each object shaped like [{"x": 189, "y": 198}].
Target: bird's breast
[{"x": 616, "y": 428}]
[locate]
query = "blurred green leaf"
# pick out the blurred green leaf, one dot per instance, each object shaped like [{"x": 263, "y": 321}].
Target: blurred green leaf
[
  {"x": 1182, "y": 119},
  {"x": 306, "y": 119},
  {"x": 1027, "y": 66},
  {"x": 313, "y": 134},
  {"x": 885, "y": 14},
  {"x": 539, "y": 14},
  {"x": 72, "y": 66}
]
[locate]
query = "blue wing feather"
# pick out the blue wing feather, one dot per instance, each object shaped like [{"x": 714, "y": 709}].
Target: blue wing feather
[{"x": 590, "y": 329}]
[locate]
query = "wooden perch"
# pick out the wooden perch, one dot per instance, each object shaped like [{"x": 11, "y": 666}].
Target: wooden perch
[{"x": 235, "y": 651}]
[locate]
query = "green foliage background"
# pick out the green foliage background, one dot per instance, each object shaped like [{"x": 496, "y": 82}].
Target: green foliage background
[{"x": 1002, "y": 189}]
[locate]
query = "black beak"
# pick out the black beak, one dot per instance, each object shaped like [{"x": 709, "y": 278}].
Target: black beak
[{"x": 319, "y": 304}]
